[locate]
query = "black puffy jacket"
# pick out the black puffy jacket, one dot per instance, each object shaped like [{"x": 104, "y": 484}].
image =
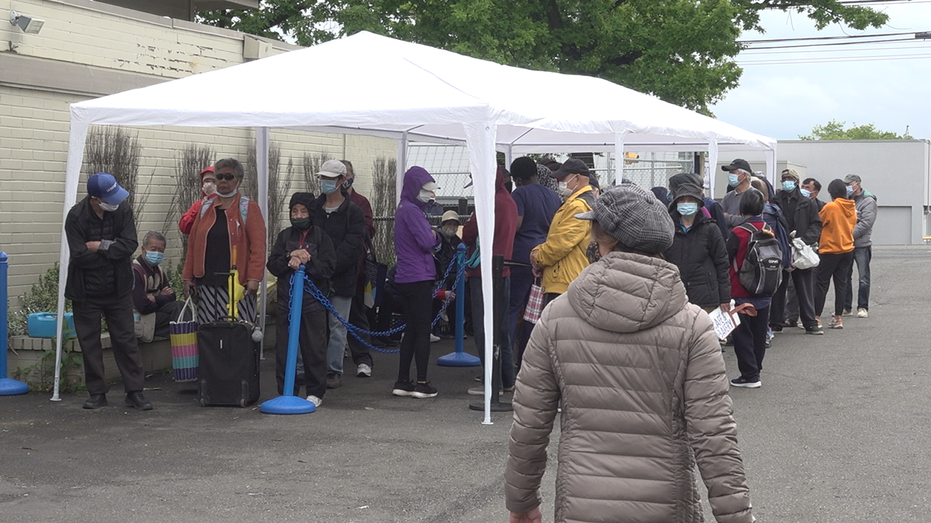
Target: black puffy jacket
[
  {"x": 701, "y": 256},
  {"x": 346, "y": 228},
  {"x": 107, "y": 273}
]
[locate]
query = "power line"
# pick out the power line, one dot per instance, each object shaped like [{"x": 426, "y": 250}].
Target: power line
[
  {"x": 823, "y": 60},
  {"x": 833, "y": 44},
  {"x": 839, "y": 37}
]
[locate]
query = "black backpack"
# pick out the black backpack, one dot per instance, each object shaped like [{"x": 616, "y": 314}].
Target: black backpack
[{"x": 761, "y": 271}]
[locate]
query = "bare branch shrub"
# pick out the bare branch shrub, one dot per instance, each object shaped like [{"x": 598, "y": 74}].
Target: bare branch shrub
[
  {"x": 190, "y": 162},
  {"x": 311, "y": 165},
  {"x": 384, "y": 202},
  {"x": 279, "y": 188},
  {"x": 112, "y": 150}
]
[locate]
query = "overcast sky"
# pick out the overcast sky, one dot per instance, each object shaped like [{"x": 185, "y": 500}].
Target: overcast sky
[{"x": 869, "y": 85}]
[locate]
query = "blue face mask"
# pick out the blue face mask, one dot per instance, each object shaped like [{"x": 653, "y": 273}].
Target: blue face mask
[
  {"x": 733, "y": 179},
  {"x": 154, "y": 257},
  {"x": 806, "y": 193},
  {"x": 328, "y": 186},
  {"x": 849, "y": 191},
  {"x": 668, "y": 196},
  {"x": 788, "y": 185},
  {"x": 687, "y": 208}
]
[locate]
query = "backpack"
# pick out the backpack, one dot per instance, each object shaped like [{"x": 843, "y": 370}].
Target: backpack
[{"x": 761, "y": 271}]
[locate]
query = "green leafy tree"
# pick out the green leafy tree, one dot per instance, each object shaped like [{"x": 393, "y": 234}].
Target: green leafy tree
[
  {"x": 679, "y": 50},
  {"x": 834, "y": 130}
]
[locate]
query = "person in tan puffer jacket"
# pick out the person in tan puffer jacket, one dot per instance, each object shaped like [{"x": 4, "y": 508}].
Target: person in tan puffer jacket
[{"x": 642, "y": 383}]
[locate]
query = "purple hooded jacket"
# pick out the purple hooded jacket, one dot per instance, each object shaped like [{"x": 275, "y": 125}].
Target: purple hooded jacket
[{"x": 414, "y": 239}]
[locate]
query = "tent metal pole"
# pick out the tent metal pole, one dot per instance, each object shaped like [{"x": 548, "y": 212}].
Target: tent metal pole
[
  {"x": 401, "y": 167},
  {"x": 771, "y": 164},
  {"x": 618, "y": 158},
  {"x": 712, "y": 165},
  {"x": 261, "y": 160},
  {"x": 76, "y": 141}
]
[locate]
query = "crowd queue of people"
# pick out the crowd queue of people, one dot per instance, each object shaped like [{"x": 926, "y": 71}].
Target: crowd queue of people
[{"x": 623, "y": 347}]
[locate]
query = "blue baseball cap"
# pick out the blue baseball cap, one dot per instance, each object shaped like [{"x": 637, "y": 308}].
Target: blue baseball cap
[{"x": 104, "y": 186}]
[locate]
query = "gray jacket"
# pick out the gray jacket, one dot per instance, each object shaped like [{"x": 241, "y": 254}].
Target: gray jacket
[
  {"x": 866, "y": 217},
  {"x": 731, "y": 205},
  {"x": 644, "y": 398}
]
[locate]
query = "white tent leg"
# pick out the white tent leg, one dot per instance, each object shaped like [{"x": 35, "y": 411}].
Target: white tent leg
[
  {"x": 482, "y": 164},
  {"x": 401, "y": 167},
  {"x": 261, "y": 160},
  {"x": 771, "y": 165},
  {"x": 73, "y": 173},
  {"x": 618, "y": 158},
  {"x": 712, "y": 165}
]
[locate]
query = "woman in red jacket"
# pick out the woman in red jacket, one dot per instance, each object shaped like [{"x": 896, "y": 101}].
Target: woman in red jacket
[{"x": 208, "y": 191}]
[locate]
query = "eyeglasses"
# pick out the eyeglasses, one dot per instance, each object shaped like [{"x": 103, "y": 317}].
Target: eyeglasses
[{"x": 225, "y": 176}]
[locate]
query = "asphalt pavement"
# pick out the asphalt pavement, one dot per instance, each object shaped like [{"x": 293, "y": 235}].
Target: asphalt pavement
[{"x": 838, "y": 432}]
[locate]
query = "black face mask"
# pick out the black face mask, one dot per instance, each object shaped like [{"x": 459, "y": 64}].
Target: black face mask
[
  {"x": 509, "y": 186},
  {"x": 301, "y": 223}
]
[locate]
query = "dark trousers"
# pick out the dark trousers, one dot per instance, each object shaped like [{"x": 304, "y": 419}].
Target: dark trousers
[
  {"x": 166, "y": 314},
  {"x": 836, "y": 266},
  {"x": 312, "y": 345},
  {"x": 416, "y": 299},
  {"x": 521, "y": 281},
  {"x": 750, "y": 343},
  {"x": 803, "y": 280},
  {"x": 119, "y": 315},
  {"x": 358, "y": 316},
  {"x": 502, "y": 335},
  {"x": 862, "y": 257}
]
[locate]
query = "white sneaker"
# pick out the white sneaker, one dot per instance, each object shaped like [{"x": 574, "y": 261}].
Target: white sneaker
[
  {"x": 364, "y": 371},
  {"x": 315, "y": 400},
  {"x": 434, "y": 338},
  {"x": 863, "y": 313}
]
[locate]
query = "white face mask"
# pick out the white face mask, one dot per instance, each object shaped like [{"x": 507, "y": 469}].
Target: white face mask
[
  {"x": 108, "y": 207},
  {"x": 425, "y": 196},
  {"x": 227, "y": 195}
]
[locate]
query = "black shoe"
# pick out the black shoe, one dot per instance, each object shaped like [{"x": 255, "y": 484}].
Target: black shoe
[
  {"x": 776, "y": 328},
  {"x": 334, "y": 381},
  {"x": 424, "y": 390},
  {"x": 96, "y": 401},
  {"x": 137, "y": 400},
  {"x": 816, "y": 330},
  {"x": 403, "y": 388}
]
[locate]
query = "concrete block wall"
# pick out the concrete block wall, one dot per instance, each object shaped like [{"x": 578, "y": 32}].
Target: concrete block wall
[{"x": 132, "y": 49}]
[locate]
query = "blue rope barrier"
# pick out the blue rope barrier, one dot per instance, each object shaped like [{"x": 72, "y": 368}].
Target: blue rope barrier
[{"x": 357, "y": 332}]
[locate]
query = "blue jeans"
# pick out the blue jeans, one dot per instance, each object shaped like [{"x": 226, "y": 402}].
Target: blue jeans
[
  {"x": 862, "y": 257},
  {"x": 478, "y": 329},
  {"x": 336, "y": 348}
]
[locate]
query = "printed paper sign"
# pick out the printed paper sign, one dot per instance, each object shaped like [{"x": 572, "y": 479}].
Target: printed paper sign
[{"x": 723, "y": 322}]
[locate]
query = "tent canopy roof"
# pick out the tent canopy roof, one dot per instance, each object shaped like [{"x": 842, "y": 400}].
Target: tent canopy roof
[{"x": 428, "y": 93}]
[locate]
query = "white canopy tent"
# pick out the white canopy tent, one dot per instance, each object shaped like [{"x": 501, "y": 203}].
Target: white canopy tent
[{"x": 421, "y": 93}]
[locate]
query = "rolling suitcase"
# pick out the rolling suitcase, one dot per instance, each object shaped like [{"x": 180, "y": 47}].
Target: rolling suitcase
[{"x": 228, "y": 369}]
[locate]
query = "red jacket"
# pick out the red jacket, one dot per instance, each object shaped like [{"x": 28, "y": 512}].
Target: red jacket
[
  {"x": 505, "y": 227},
  {"x": 187, "y": 219},
  {"x": 737, "y": 251},
  {"x": 249, "y": 241}
]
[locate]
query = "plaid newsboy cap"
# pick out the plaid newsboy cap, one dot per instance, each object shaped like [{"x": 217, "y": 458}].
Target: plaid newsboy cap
[{"x": 635, "y": 217}]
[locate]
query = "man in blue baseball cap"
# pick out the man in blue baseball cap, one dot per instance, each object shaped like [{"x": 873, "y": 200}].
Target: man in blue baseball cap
[{"x": 101, "y": 236}]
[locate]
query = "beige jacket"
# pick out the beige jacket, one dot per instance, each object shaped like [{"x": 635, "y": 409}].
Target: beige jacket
[{"x": 642, "y": 383}]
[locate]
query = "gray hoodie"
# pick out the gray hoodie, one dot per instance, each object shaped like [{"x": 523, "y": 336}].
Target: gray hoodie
[{"x": 866, "y": 217}]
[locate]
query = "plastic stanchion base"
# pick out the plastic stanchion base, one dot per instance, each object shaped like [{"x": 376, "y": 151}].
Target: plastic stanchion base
[
  {"x": 287, "y": 405},
  {"x": 11, "y": 387},
  {"x": 458, "y": 359}
]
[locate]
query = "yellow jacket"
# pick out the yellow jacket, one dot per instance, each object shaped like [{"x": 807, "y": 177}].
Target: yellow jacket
[{"x": 563, "y": 255}]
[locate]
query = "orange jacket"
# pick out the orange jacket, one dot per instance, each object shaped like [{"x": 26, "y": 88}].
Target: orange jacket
[
  {"x": 838, "y": 218},
  {"x": 249, "y": 241}
]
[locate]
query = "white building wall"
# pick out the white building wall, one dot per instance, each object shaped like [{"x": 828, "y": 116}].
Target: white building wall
[{"x": 88, "y": 49}]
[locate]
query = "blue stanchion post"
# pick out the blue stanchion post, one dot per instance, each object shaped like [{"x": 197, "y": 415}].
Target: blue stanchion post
[
  {"x": 460, "y": 358},
  {"x": 8, "y": 386},
  {"x": 288, "y": 403}
]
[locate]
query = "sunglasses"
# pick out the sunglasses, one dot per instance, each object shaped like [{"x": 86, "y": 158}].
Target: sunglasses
[{"x": 225, "y": 176}]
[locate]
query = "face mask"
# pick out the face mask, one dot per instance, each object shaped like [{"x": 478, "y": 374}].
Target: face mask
[
  {"x": 564, "y": 185},
  {"x": 348, "y": 183},
  {"x": 733, "y": 179},
  {"x": 687, "y": 208},
  {"x": 227, "y": 194},
  {"x": 849, "y": 192},
  {"x": 301, "y": 223},
  {"x": 209, "y": 188},
  {"x": 806, "y": 193},
  {"x": 426, "y": 196},
  {"x": 328, "y": 186},
  {"x": 154, "y": 257},
  {"x": 788, "y": 185},
  {"x": 111, "y": 208},
  {"x": 449, "y": 232},
  {"x": 668, "y": 196}
]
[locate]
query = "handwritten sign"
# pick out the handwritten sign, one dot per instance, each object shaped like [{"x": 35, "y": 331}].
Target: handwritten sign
[{"x": 723, "y": 322}]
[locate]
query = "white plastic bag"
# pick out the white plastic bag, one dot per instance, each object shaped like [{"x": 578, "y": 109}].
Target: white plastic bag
[{"x": 803, "y": 256}]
